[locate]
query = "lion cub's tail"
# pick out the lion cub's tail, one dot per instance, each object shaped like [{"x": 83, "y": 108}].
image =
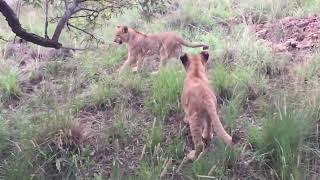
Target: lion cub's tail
[
  {"x": 216, "y": 123},
  {"x": 185, "y": 43}
]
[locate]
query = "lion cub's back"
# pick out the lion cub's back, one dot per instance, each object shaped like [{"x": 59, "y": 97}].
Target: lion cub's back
[{"x": 166, "y": 36}]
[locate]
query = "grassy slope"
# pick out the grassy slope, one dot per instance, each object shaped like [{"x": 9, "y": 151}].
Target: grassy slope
[{"x": 84, "y": 121}]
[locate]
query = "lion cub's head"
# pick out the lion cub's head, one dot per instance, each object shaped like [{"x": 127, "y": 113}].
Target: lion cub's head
[
  {"x": 193, "y": 62},
  {"x": 121, "y": 35}
]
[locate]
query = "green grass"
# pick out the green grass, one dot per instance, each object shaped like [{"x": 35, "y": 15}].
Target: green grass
[
  {"x": 273, "y": 9},
  {"x": 165, "y": 91},
  {"x": 93, "y": 64},
  {"x": 213, "y": 163},
  {"x": 99, "y": 93},
  {"x": 54, "y": 67},
  {"x": 176, "y": 147},
  {"x": 229, "y": 82},
  {"x": 231, "y": 110},
  {"x": 4, "y": 134},
  {"x": 203, "y": 16},
  {"x": 311, "y": 70},
  {"x": 281, "y": 140},
  {"x": 9, "y": 84},
  {"x": 39, "y": 145}
]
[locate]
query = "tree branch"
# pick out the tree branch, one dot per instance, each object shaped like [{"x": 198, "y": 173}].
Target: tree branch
[
  {"x": 86, "y": 32},
  {"x": 64, "y": 19},
  {"x": 16, "y": 27},
  {"x": 79, "y": 49},
  {"x": 46, "y": 23}
]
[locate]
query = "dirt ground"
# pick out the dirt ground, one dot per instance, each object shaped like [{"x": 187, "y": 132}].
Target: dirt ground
[{"x": 290, "y": 33}]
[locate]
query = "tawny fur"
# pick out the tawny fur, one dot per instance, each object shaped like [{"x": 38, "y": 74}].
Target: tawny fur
[
  {"x": 200, "y": 104},
  {"x": 165, "y": 45}
]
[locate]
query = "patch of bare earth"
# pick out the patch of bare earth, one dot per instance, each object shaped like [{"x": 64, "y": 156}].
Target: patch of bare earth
[
  {"x": 290, "y": 33},
  {"x": 295, "y": 38}
]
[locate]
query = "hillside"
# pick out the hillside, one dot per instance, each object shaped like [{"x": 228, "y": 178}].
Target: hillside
[{"x": 70, "y": 115}]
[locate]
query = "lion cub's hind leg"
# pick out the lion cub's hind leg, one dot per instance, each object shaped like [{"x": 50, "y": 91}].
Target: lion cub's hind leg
[
  {"x": 207, "y": 133},
  {"x": 196, "y": 131},
  {"x": 186, "y": 115}
]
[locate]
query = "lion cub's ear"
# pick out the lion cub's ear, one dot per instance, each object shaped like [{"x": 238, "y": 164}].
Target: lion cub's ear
[
  {"x": 205, "y": 55},
  {"x": 184, "y": 58},
  {"x": 125, "y": 29}
]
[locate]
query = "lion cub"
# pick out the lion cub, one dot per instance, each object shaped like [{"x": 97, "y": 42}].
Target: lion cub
[
  {"x": 164, "y": 45},
  {"x": 200, "y": 103}
]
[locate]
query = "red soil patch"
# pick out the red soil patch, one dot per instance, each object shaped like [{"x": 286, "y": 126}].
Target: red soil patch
[{"x": 289, "y": 34}]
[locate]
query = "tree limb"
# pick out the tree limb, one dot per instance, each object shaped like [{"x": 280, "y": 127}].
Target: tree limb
[
  {"x": 78, "y": 49},
  {"x": 86, "y": 32},
  {"x": 46, "y": 23},
  {"x": 64, "y": 19},
  {"x": 16, "y": 28}
]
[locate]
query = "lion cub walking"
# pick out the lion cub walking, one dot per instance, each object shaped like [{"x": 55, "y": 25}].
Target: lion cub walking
[
  {"x": 164, "y": 45},
  {"x": 199, "y": 103}
]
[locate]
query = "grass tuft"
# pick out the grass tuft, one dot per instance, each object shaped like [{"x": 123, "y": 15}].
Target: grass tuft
[
  {"x": 281, "y": 139},
  {"x": 9, "y": 85},
  {"x": 165, "y": 91}
]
